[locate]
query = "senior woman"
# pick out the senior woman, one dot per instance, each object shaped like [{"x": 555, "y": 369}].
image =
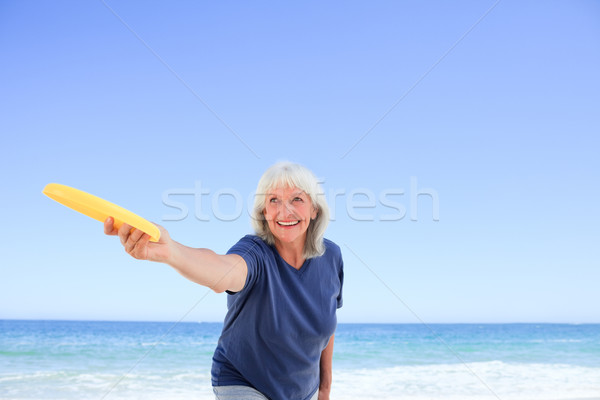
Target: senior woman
[{"x": 284, "y": 285}]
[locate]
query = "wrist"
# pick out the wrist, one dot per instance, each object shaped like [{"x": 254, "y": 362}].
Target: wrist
[
  {"x": 323, "y": 394},
  {"x": 325, "y": 388},
  {"x": 172, "y": 255}
]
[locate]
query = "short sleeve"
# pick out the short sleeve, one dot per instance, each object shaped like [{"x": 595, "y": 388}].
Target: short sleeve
[
  {"x": 250, "y": 249},
  {"x": 340, "y": 299}
]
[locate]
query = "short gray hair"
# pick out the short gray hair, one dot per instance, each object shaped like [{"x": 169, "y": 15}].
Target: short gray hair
[{"x": 287, "y": 174}]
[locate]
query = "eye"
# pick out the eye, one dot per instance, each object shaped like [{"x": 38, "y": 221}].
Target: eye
[
  {"x": 273, "y": 200},
  {"x": 298, "y": 199}
]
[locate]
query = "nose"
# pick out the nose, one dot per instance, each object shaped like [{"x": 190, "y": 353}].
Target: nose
[{"x": 285, "y": 209}]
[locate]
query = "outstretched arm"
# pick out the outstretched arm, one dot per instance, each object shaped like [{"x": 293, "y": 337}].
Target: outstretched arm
[{"x": 203, "y": 266}]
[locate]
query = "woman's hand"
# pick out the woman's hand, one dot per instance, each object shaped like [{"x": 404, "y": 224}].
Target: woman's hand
[{"x": 137, "y": 243}]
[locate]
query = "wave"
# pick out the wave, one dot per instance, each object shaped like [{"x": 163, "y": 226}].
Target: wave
[{"x": 472, "y": 381}]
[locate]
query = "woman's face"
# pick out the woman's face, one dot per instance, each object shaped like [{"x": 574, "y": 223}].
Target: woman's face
[{"x": 288, "y": 212}]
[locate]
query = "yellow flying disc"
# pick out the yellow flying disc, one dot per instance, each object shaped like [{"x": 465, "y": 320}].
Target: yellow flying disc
[{"x": 99, "y": 209}]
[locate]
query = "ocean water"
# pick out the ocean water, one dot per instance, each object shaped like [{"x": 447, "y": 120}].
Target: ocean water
[{"x": 148, "y": 360}]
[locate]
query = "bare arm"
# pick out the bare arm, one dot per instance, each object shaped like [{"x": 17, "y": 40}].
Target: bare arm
[
  {"x": 203, "y": 266},
  {"x": 326, "y": 373}
]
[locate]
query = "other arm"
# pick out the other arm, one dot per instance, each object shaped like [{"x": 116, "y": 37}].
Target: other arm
[{"x": 326, "y": 373}]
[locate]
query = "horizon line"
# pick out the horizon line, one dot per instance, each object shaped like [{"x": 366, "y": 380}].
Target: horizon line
[{"x": 339, "y": 323}]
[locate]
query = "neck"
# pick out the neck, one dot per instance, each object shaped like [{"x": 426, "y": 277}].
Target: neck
[{"x": 292, "y": 253}]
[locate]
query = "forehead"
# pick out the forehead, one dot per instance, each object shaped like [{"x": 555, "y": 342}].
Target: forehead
[{"x": 285, "y": 191}]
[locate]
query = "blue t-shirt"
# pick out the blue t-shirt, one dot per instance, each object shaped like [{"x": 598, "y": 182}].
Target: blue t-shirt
[{"x": 277, "y": 326}]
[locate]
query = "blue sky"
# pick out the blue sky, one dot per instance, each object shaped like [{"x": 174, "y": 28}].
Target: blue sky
[{"x": 491, "y": 107}]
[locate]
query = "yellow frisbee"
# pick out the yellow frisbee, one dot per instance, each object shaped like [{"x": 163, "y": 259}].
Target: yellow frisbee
[{"x": 99, "y": 209}]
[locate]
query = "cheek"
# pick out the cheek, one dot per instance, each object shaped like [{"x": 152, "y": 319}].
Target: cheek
[
  {"x": 269, "y": 212},
  {"x": 310, "y": 212}
]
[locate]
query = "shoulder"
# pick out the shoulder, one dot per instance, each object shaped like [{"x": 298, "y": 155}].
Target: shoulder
[
  {"x": 332, "y": 250},
  {"x": 253, "y": 250},
  {"x": 252, "y": 245},
  {"x": 333, "y": 258},
  {"x": 334, "y": 253},
  {"x": 257, "y": 254}
]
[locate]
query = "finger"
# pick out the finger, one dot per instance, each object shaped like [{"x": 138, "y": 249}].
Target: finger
[
  {"x": 109, "y": 226},
  {"x": 135, "y": 234},
  {"x": 132, "y": 240},
  {"x": 124, "y": 232},
  {"x": 163, "y": 233},
  {"x": 140, "y": 247},
  {"x": 144, "y": 239}
]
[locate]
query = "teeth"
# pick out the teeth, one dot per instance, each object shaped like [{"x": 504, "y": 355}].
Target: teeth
[{"x": 287, "y": 223}]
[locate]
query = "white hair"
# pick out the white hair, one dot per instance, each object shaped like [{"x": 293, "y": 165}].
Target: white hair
[{"x": 287, "y": 174}]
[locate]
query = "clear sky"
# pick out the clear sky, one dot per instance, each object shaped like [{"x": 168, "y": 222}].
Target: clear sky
[{"x": 457, "y": 143}]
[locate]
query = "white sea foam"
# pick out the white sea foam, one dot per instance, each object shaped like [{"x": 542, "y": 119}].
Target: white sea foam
[{"x": 473, "y": 381}]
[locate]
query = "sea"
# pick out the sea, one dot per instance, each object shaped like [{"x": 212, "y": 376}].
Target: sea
[{"x": 166, "y": 360}]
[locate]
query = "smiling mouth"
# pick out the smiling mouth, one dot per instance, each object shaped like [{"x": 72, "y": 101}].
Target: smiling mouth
[{"x": 288, "y": 223}]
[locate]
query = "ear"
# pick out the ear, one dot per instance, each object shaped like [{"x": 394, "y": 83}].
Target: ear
[{"x": 314, "y": 213}]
